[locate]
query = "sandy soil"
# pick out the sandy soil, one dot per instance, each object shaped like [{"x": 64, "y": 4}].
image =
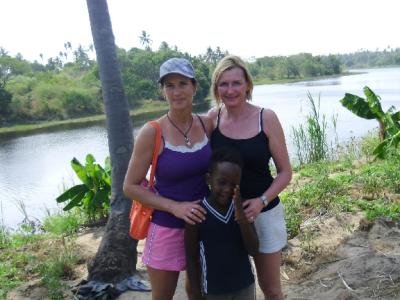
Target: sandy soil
[{"x": 335, "y": 257}]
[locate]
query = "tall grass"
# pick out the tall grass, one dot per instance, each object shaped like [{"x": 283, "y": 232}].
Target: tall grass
[
  {"x": 29, "y": 224},
  {"x": 59, "y": 265},
  {"x": 310, "y": 140},
  {"x": 39, "y": 250},
  {"x": 3, "y": 232},
  {"x": 352, "y": 181}
]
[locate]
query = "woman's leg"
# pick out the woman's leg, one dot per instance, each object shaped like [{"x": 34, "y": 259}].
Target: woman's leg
[
  {"x": 269, "y": 275},
  {"x": 163, "y": 283},
  {"x": 271, "y": 231}
]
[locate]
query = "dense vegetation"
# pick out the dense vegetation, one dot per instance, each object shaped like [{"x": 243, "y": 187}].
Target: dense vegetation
[
  {"x": 68, "y": 85},
  {"x": 371, "y": 59}
]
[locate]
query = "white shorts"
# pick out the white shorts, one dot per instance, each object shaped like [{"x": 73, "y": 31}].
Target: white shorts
[{"x": 271, "y": 229}]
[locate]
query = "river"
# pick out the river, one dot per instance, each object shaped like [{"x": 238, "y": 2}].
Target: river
[{"x": 35, "y": 169}]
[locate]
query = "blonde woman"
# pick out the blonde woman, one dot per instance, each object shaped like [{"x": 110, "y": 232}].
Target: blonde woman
[{"x": 257, "y": 133}]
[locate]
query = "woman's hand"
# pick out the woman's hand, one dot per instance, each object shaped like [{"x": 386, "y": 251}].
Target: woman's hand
[
  {"x": 252, "y": 208},
  {"x": 190, "y": 212}
]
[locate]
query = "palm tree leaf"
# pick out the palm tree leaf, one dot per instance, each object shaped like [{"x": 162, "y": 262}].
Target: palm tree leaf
[
  {"x": 75, "y": 201},
  {"x": 71, "y": 193},
  {"x": 396, "y": 116},
  {"x": 380, "y": 150},
  {"x": 90, "y": 165},
  {"x": 374, "y": 102},
  {"x": 79, "y": 170},
  {"x": 358, "y": 106}
]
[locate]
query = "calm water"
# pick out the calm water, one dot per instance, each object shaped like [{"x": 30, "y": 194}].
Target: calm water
[{"x": 35, "y": 169}]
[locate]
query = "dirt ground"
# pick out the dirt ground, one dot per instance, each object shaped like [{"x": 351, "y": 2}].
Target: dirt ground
[{"x": 335, "y": 257}]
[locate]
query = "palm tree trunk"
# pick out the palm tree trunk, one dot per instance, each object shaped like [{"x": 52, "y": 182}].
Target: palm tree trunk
[{"x": 116, "y": 257}]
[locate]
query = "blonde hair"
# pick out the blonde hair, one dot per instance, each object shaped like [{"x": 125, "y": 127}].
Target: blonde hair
[{"x": 227, "y": 63}]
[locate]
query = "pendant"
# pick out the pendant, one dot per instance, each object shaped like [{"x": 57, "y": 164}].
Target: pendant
[{"x": 187, "y": 141}]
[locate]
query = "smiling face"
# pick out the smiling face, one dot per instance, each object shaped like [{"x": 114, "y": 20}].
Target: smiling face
[
  {"x": 223, "y": 179},
  {"x": 232, "y": 87},
  {"x": 178, "y": 90}
]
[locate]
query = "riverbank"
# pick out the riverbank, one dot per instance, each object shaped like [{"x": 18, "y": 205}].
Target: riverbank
[
  {"x": 150, "y": 109},
  {"x": 293, "y": 80}
]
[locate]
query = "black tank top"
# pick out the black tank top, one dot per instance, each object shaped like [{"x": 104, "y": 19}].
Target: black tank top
[{"x": 256, "y": 175}]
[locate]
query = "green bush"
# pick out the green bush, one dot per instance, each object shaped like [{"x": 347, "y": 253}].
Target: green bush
[
  {"x": 63, "y": 224},
  {"x": 79, "y": 102},
  {"x": 93, "y": 195}
]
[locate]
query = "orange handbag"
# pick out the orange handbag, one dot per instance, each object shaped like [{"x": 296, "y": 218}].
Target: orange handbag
[{"x": 140, "y": 215}]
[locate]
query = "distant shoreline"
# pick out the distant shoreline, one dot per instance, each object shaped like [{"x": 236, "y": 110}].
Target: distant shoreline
[{"x": 140, "y": 116}]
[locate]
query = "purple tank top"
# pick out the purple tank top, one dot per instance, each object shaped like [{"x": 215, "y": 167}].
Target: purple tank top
[{"x": 180, "y": 176}]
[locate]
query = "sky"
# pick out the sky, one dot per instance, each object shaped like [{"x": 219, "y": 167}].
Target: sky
[{"x": 249, "y": 28}]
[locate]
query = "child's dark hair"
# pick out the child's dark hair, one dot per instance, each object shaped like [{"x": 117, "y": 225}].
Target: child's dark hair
[{"x": 224, "y": 154}]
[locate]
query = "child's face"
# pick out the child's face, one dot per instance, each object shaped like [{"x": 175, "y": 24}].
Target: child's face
[{"x": 223, "y": 181}]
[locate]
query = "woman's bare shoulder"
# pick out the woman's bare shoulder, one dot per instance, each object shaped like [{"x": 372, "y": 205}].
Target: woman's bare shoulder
[
  {"x": 270, "y": 121},
  {"x": 213, "y": 113},
  {"x": 146, "y": 135},
  {"x": 269, "y": 115}
]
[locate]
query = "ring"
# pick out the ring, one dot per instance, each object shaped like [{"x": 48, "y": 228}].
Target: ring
[
  {"x": 252, "y": 218},
  {"x": 192, "y": 210}
]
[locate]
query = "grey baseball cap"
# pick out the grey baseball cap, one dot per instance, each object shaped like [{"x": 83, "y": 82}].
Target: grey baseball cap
[{"x": 176, "y": 66}]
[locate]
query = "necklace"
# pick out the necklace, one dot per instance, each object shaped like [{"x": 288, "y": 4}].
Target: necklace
[{"x": 187, "y": 140}]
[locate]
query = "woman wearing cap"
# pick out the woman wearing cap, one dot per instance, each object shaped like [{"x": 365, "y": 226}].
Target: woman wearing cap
[
  {"x": 258, "y": 135},
  {"x": 180, "y": 176}
]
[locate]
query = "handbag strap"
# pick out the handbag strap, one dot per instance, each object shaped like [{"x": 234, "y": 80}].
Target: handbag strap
[{"x": 156, "y": 150}]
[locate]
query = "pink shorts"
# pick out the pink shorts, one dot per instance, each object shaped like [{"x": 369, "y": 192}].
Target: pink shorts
[{"x": 164, "y": 248}]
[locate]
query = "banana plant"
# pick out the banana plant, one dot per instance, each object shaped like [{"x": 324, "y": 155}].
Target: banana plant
[
  {"x": 93, "y": 195},
  {"x": 371, "y": 108}
]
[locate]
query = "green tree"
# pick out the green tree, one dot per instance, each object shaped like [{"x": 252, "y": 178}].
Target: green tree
[
  {"x": 82, "y": 59},
  {"x": 116, "y": 257},
  {"x": 145, "y": 40},
  {"x": 5, "y": 101},
  {"x": 164, "y": 46},
  {"x": 5, "y": 96},
  {"x": 371, "y": 108}
]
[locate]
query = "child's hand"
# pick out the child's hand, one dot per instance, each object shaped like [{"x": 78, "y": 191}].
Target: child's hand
[{"x": 237, "y": 201}]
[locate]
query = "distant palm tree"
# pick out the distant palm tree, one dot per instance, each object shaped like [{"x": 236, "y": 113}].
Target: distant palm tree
[
  {"x": 145, "y": 40},
  {"x": 116, "y": 257}
]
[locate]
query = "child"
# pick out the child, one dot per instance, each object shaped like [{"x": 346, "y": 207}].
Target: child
[{"x": 218, "y": 248}]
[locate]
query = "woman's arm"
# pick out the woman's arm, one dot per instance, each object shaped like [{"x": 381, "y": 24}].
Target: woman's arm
[
  {"x": 247, "y": 229},
  {"x": 139, "y": 164},
  {"x": 279, "y": 152},
  {"x": 192, "y": 250},
  {"x": 277, "y": 146}
]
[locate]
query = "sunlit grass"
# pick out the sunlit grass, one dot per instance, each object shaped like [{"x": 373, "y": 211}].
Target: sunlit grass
[
  {"x": 353, "y": 181},
  {"x": 50, "y": 255}
]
